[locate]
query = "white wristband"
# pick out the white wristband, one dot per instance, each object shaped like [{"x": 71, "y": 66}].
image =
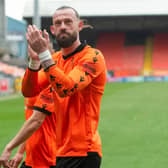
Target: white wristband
[
  {"x": 34, "y": 64},
  {"x": 45, "y": 56}
]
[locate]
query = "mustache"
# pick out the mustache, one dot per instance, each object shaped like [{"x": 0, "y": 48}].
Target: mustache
[{"x": 63, "y": 31}]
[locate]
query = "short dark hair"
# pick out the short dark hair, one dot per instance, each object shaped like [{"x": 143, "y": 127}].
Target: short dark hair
[{"x": 69, "y": 7}]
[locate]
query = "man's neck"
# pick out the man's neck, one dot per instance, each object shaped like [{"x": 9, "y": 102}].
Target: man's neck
[{"x": 69, "y": 50}]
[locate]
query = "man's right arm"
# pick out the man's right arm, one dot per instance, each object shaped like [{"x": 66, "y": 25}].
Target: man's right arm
[{"x": 33, "y": 82}]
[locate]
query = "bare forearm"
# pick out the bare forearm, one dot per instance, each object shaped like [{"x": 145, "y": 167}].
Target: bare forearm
[
  {"x": 29, "y": 127},
  {"x": 21, "y": 148}
]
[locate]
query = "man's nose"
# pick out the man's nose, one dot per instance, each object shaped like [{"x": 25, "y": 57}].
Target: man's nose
[{"x": 63, "y": 26}]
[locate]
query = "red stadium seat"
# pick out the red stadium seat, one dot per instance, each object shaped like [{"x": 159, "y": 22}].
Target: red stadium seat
[{"x": 160, "y": 52}]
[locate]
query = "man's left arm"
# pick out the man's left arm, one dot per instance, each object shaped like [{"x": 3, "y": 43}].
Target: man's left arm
[
  {"x": 88, "y": 68},
  {"x": 28, "y": 128}
]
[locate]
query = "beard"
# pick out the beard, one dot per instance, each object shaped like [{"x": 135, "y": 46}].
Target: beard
[{"x": 66, "y": 40}]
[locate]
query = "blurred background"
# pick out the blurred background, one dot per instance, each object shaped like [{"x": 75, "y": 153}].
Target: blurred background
[{"x": 133, "y": 36}]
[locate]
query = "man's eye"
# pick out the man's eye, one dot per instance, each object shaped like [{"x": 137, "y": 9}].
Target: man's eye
[
  {"x": 57, "y": 23},
  {"x": 68, "y": 21}
]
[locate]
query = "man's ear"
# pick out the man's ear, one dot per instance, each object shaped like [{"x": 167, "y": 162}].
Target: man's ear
[
  {"x": 52, "y": 30},
  {"x": 80, "y": 25}
]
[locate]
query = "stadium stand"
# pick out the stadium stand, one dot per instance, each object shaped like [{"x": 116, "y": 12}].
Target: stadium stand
[
  {"x": 160, "y": 50},
  {"x": 111, "y": 44},
  {"x": 133, "y": 57},
  {"x": 120, "y": 59}
]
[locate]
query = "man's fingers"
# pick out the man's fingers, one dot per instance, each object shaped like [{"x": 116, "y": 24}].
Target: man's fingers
[
  {"x": 32, "y": 54},
  {"x": 46, "y": 36},
  {"x": 37, "y": 32},
  {"x": 5, "y": 164},
  {"x": 36, "y": 40},
  {"x": 34, "y": 28},
  {"x": 29, "y": 48},
  {"x": 28, "y": 38},
  {"x": 33, "y": 33},
  {"x": 29, "y": 30},
  {"x": 11, "y": 162},
  {"x": 15, "y": 165},
  {"x": 41, "y": 32}
]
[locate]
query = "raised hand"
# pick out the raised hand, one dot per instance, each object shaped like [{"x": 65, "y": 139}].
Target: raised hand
[
  {"x": 46, "y": 36},
  {"x": 33, "y": 55},
  {"x": 36, "y": 40}
]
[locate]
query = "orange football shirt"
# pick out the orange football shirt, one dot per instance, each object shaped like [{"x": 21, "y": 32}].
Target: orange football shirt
[
  {"x": 41, "y": 146},
  {"x": 78, "y": 82}
]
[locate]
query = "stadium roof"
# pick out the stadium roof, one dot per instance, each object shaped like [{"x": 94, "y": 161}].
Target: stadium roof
[{"x": 101, "y": 7}]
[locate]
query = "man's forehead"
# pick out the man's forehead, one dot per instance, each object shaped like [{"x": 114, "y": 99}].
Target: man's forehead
[{"x": 64, "y": 13}]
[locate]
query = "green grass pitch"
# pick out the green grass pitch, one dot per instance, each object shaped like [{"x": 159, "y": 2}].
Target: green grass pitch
[{"x": 133, "y": 124}]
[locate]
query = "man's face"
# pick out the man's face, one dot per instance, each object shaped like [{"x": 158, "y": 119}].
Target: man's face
[{"x": 66, "y": 27}]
